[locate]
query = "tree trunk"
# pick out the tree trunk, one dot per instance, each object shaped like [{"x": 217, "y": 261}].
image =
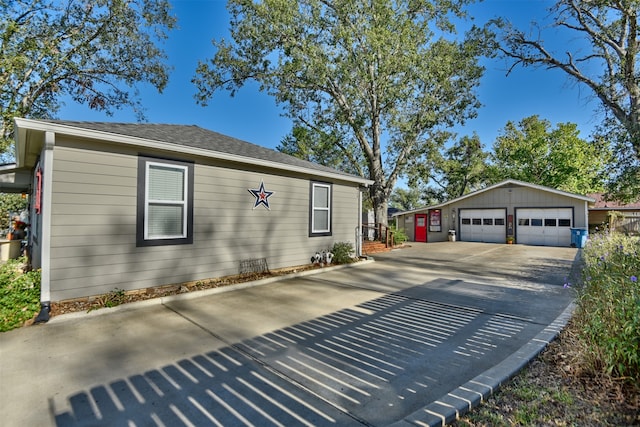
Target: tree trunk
[{"x": 380, "y": 201}]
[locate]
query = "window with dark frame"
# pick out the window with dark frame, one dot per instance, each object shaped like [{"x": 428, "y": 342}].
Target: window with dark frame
[
  {"x": 550, "y": 222},
  {"x": 320, "y": 212},
  {"x": 165, "y": 202},
  {"x": 564, "y": 222},
  {"x": 498, "y": 221}
]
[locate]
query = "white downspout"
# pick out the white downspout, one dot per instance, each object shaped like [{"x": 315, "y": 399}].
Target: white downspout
[
  {"x": 359, "y": 230},
  {"x": 45, "y": 233}
]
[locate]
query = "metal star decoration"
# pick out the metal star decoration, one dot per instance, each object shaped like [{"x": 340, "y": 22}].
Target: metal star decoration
[{"x": 262, "y": 196}]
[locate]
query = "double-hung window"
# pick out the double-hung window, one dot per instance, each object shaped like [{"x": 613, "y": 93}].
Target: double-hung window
[
  {"x": 320, "y": 218},
  {"x": 165, "y": 202}
]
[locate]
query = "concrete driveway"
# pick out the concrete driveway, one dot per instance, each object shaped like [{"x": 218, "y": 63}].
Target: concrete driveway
[{"x": 407, "y": 340}]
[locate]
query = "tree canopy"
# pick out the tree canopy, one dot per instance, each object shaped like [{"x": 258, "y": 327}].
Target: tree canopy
[
  {"x": 601, "y": 54},
  {"x": 407, "y": 198},
  {"x": 94, "y": 51},
  {"x": 385, "y": 76},
  {"x": 452, "y": 172},
  {"x": 328, "y": 149},
  {"x": 533, "y": 151}
]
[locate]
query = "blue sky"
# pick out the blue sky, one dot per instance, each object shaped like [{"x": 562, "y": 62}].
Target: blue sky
[{"x": 253, "y": 116}]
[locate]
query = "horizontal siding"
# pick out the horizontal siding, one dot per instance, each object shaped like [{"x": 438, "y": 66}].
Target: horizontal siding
[{"x": 93, "y": 247}]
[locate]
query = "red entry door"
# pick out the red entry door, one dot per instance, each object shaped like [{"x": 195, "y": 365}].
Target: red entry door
[{"x": 421, "y": 228}]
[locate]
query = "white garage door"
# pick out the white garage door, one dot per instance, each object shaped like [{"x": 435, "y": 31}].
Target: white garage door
[
  {"x": 544, "y": 227},
  {"x": 483, "y": 225}
]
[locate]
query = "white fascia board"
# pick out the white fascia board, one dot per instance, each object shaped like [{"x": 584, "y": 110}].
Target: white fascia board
[
  {"x": 19, "y": 137},
  {"x": 14, "y": 179},
  {"x": 500, "y": 184},
  {"x": 157, "y": 145},
  {"x": 8, "y": 167},
  {"x": 422, "y": 209}
]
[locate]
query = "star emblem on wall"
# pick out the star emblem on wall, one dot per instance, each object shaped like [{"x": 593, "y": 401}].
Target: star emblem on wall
[{"x": 262, "y": 196}]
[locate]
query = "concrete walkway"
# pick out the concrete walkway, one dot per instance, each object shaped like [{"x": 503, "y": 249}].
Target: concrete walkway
[{"x": 413, "y": 338}]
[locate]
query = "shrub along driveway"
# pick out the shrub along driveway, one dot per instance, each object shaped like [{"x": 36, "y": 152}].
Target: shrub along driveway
[{"x": 366, "y": 345}]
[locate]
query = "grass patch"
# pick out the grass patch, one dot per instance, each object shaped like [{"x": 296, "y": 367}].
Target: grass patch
[
  {"x": 553, "y": 391},
  {"x": 19, "y": 294},
  {"x": 608, "y": 298}
]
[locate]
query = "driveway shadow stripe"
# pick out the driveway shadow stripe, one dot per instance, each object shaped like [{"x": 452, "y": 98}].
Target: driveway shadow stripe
[{"x": 370, "y": 365}]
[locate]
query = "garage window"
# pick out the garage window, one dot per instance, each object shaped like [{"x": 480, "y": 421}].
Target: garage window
[
  {"x": 564, "y": 223},
  {"x": 477, "y": 221},
  {"x": 466, "y": 221},
  {"x": 498, "y": 221},
  {"x": 550, "y": 222},
  {"x": 523, "y": 221},
  {"x": 487, "y": 221},
  {"x": 536, "y": 222}
]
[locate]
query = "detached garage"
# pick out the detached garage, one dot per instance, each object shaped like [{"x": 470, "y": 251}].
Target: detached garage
[{"x": 531, "y": 214}]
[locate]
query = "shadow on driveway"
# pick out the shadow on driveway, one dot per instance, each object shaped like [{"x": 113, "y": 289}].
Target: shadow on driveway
[{"x": 371, "y": 364}]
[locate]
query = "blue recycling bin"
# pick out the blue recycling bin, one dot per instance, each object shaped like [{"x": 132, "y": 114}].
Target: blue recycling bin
[{"x": 579, "y": 237}]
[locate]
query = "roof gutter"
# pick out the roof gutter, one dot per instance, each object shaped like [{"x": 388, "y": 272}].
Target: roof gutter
[{"x": 14, "y": 179}]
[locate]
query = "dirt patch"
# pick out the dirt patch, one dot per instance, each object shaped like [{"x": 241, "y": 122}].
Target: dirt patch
[{"x": 118, "y": 297}]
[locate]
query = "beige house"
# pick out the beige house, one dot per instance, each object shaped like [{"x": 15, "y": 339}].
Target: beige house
[
  {"x": 622, "y": 217},
  {"x": 131, "y": 206},
  {"x": 531, "y": 214}
]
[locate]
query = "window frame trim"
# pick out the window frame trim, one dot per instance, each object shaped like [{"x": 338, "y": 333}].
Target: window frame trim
[
  {"x": 142, "y": 211},
  {"x": 312, "y": 209}
]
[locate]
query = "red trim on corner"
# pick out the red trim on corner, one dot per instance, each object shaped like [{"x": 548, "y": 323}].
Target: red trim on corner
[{"x": 38, "y": 198}]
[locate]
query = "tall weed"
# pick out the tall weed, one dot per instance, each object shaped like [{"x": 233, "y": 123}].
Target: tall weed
[{"x": 609, "y": 305}]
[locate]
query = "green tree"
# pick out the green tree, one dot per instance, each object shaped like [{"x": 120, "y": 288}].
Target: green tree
[
  {"x": 532, "y": 151},
  {"x": 95, "y": 51},
  {"x": 406, "y": 198},
  {"x": 385, "y": 76},
  {"x": 624, "y": 170},
  {"x": 460, "y": 169},
  {"x": 316, "y": 146},
  {"x": 600, "y": 53}
]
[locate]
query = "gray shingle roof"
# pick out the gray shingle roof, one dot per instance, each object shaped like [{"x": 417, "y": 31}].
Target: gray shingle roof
[{"x": 197, "y": 137}]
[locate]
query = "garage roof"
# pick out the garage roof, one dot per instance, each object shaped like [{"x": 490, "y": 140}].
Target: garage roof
[{"x": 508, "y": 182}]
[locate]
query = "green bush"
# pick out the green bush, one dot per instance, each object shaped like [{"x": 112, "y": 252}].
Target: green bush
[
  {"x": 609, "y": 305},
  {"x": 19, "y": 294},
  {"x": 10, "y": 203},
  {"x": 342, "y": 253},
  {"x": 399, "y": 236}
]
